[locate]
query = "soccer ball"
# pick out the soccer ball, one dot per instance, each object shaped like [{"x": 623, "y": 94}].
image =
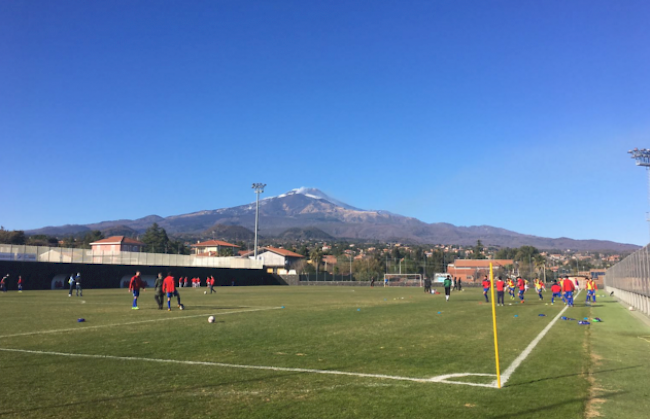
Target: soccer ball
[
  {"x": 182, "y": 307},
  {"x": 631, "y": 308},
  {"x": 211, "y": 319},
  {"x": 205, "y": 292}
]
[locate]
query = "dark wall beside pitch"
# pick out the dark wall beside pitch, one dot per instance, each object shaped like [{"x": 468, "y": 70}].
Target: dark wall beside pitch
[{"x": 39, "y": 275}]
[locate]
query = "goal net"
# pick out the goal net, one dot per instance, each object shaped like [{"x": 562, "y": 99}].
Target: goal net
[{"x": 403, "y": 280}]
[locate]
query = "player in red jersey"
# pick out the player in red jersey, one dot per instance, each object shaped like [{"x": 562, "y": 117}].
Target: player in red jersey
[
  {"x": 486, "y": 288},
  {"x": 135, "y": 286},
  {"x": 556, "y": 289},
  {"x": 568, "y": 287},
  {"x": 169, "y": 288},
  {"x": 521, "y": 284},
  {"x": 500, "y": 288}
]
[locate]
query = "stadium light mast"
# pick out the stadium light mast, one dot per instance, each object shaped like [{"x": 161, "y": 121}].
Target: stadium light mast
[
  {"x": 642, "y": 157},
  {"x": 258, "y": 188}
]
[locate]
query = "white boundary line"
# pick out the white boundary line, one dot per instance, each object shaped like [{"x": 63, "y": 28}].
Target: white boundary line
[
  {"x": 515, "y": 364},
  {"x": 77, "y": 329},
  {"x": 437, "y": 379}
]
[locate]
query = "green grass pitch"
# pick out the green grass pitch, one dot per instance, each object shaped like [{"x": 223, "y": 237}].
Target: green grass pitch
[{"x": 338, "y": 352}]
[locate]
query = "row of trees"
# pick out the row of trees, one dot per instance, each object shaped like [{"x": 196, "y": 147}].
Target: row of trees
[
  {"x": 527, "y": 262},
  {"x": 376, "y": 263}
]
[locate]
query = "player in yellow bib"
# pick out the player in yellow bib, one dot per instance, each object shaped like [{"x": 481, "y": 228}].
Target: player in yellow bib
[
  {"x": 539, "y": 287},
  {"x": 511, "y": 288},
  {"x": 591, "y": 291}
]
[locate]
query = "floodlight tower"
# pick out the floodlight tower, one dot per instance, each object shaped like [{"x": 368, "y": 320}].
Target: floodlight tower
[
  {"x": 258, "y": 188},
  {"x": 642, "y": 157}
]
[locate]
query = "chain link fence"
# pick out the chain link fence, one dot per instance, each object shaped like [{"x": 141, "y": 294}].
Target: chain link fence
[
  {"x": 630, "y": 280},
  {"x": 21, "y": 253}
]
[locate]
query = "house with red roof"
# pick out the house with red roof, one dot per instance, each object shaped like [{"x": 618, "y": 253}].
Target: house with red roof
[
  {"x": 116, "y": 244},
  {"x": 276, "y": 260},
  {"x": 212, "y": 247},
  {"x": 474, "y": 269}
]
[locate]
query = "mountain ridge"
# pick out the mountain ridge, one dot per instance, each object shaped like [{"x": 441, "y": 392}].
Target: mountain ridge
[{"x": 311, "y": 208}]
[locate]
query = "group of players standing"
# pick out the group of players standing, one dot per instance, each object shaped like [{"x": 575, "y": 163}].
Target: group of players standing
[
  {"x": 5, "y": 279},
  {"x": 563, "y": 288},
  {"x": 163, "y": 287}
]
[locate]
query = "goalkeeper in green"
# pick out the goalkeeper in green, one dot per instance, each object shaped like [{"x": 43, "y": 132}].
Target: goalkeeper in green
[{"x": 447, "y": 285}]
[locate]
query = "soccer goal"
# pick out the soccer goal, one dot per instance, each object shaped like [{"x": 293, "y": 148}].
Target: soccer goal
[{"x": 402, "y": 280}]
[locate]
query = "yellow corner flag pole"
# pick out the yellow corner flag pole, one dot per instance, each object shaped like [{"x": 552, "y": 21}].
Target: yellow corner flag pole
[{"x": 494, "y": 323}]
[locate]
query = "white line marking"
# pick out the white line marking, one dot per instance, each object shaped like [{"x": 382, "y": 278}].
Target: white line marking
[
  {"x": 515, "y": 364},
  {"x": 437, "y": 379},
  {"x": 76, "y": 329}
]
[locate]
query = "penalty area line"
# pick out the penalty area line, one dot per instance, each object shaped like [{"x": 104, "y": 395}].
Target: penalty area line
[
  {"x": 438, "y": 379},
  {"x": 515, "y": 364},
  {"x": 77, "y": 329}
]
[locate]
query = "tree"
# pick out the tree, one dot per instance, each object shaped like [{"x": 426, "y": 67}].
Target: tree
[
  {"x": 316, "y": 256},
  {"x": 90, "y": 237},
  {"x": 156, "y": 239},
  {"x": 42, "y": 240},
  {"x": 505, "y": 253},
  {"x": 69, "y": 242},
  {"x": 366, "y": 269},
  {"x": 478, "y": 251},
  {"x": 12, "y": 237}
]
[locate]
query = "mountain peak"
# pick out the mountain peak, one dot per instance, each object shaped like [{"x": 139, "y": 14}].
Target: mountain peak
[{"x": 315, "y": 193}]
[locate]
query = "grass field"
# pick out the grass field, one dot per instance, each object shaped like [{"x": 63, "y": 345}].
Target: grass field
[{"x": 314, "y": 352}]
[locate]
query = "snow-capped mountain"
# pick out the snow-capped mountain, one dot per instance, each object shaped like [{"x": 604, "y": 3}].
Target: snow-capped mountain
[{"x": 310, "y": 208}]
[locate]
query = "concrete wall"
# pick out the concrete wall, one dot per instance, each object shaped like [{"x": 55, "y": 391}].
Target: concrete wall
[{"x": 640, "y": 302}]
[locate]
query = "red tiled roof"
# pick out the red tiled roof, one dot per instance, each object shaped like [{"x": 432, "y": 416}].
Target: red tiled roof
[
  {"x": 283, "y": 252},
  {"x": 213, "y": 243},
  {"x": 481, "y": 263},
  {"x": 118, "y": 240}
]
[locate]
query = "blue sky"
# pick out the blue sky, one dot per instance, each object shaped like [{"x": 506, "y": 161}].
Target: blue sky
[{"x": 515, "y": 114}]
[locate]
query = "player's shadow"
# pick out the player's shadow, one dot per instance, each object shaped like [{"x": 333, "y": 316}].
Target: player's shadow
[
  {"x": 557, "y": 377},
  {"x": 534, "y": 410},
  {"x": 193, "y": 307}
]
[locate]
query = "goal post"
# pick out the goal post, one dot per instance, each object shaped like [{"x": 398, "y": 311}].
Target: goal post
[{"x": 403, "y": 280}]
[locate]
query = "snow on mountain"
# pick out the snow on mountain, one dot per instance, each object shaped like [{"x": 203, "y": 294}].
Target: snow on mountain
[{"x": 315, "y": 194}]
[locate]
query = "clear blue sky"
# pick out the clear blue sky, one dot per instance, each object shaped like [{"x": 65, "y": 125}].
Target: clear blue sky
[{"x": 515, "y": 114}]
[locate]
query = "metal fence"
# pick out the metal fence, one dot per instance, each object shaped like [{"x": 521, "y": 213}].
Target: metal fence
[
  {"x": 21, "y": 253},
  {"x": 325, "y": 277},
  {"x": 630, "y": 280}
]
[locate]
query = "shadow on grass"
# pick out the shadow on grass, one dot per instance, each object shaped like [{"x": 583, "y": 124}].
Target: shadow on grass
[
  {"x": 92, "y": 402},
  {"x": 193, "y": 307},
  {"x": 526, "y": 412},
  {"x": 572, "y": 375}
]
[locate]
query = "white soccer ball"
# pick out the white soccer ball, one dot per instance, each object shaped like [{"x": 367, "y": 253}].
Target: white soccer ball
[
  {"x": 211, "y": 319},
  {"x": 631, "y": 308},
  {"x": 205, "y": 292}
]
